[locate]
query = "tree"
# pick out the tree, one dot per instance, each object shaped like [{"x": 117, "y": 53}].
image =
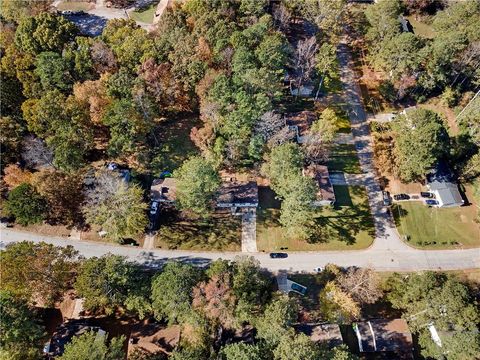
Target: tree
[
  {"x": 269, "y": 124},
  {"x": 116, "y": 206},
  {"x": 38, "y": 271},
  {"x": 384, "y": 24},
  {"x": 52, "y": 71},
  {"x": 336, "y": 305},
  {"x": 13, "y": 176},
  {"x": 108, "y": 282},
  {"x": 35, "y": 153},
  {"x": 327, "y": 14},
  {"x": 44, "y": 32},
  {"x": 172, "y": 291},
  {"x": 362, "y": 284},
  {"x": 277, "y": 320},
  {"x": 430, "y": 298},
  {"x": 326, "y": 64},
  {"x": 341, "y": 353},
  {"x": 420, "y": 139},
  {"x": 326, "y": 126},
  {"x": 10, "y": 138},
  {"x": 197, "y": 182},
  {"x": 242, "y": 351},
  {"x": 471, "y": 169},
  {"x": 15, "y": 10},
  {"x": 21, "y": 336},
  {"x": 305, "y": 59},
  {"x": 25, "y": 204},
  {"x": 90, "y": 346},
  {"x": 296, "y": 347}
]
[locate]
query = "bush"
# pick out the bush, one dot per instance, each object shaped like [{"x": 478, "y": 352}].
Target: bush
[
  {"x": 449, "y": 97},
  {"x": 26, "y": 204}
]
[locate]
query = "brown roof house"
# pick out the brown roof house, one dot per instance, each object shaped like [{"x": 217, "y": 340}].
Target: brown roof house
[
  {"x": 164, "y": 190},
  {"x": 237, "y": 194},
  {"x": 328, "y": 334},
  {"x": 301, "y": 122},
  {"x": 325, "y": 193},
  {"x": 382, "y": 335}
]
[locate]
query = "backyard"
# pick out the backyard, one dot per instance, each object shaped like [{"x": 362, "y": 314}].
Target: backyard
[
  {"x": 347, "y": 225},
  {"x": 144, "y": 14},
  {"x": 436, "y": 228}
]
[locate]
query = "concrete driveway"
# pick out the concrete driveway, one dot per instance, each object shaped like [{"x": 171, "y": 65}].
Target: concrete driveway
[{"x": 249, "y": 230}]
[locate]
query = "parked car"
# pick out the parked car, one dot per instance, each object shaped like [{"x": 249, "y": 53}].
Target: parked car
[
  {"x": 427, "y": 195},
  {"x": 154, "y": 208},
  {"x": 302, "y": 290},
  {"x": 431, "y": 202},
  {"x": 318, "y": 269},
  {"x": 401, "y": 197},
  {"x": 387, "y": 200},
  {"x": 278, "y": 255}
]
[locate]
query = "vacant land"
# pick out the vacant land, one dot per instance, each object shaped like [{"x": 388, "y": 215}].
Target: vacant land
[
  {"x": 436, "y": 228},
  {"x": 347, "y": 225},
  {"x": 221, "y": 231},
  {"x": 144, "y": 14},
  {"x": 344, "y": 158}
]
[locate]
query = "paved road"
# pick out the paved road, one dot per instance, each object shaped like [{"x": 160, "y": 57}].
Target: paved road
[{"x": 379, "y": 259}]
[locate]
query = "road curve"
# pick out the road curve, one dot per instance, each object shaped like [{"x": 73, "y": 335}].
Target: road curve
[{"x": 407, "y": 259}]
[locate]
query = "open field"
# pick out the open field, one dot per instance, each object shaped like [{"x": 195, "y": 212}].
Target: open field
[
  {"x": 347, "y": 225},
  {"x": 344, "y": 158},
  {"x": 436, "y": 228},
  {"x": 145, "y": 14},
  {"x": 221, "y": 231}
]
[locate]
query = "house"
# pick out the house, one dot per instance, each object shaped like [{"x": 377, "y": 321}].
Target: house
[
  {"x": 237, "y": 194},
  {"x": 300, "y": 123},
  {"x": 325, "y": 193},
  {"x": 442, "y": 185},
  {"x": 164, "y": 190},
  {"x": 65, "y": 333},
  {"x": 382, "y": 335},
  {"x": 328, "y": 334}
]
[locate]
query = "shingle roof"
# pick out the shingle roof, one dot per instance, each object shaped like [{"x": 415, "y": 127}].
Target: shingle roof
[
  {"x": 235, "y": 192},
  {"x": 320, "y": 174}
]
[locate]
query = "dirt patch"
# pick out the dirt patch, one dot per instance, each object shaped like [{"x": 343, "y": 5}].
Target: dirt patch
[{"x": 395, "y": 186}]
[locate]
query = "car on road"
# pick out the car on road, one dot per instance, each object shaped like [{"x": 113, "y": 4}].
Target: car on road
[
  {"x": 399, "y": 197},
  {"x": 278, "y": 255},
  {"x": 427, "y": 195},
  {"x": 387, "y": 200},
  {"x": 431, "y": 202},
  {"x": 154, "y": 208},
  {"x": 318, "y": 269}
]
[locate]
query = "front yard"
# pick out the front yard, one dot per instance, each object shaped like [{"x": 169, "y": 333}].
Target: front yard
[
  {"x": 437, "y": 228},
  {"x": 346, "y": 226},
  {"x": 344, "y": 158}
]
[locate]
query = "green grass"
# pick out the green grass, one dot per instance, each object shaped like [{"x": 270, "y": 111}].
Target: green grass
[
  {"x": 74, "y": 6},
  {"x": 348, "y": 225},
  {"x": 145, "y": 14},
  {"x": 174, "y": 144},
  {"x": 436, "y": 228},
  {"x": 421, "y": 28},
  {"x": 219, "y": 232},
  {"x": 344, "y": 158}
]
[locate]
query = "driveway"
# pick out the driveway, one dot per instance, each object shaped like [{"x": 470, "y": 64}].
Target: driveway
[{"x": 249, "y": 230}]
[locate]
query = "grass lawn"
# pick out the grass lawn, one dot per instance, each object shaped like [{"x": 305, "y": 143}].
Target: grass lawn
[
  {"x": 145, "y": 14},
  {"x": 421, "y": 29},
  {"x": 75, "y": 6},
  {"x": 220, "y": 232},
  {"x": 436, "y": 228},
  {"x": 344, "y": 158},
  {"x": 347, "y": 225},
  {"x": 175, "y": 146}
]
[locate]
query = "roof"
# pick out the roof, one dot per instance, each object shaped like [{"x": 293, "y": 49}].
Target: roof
[
  {"x": 66, "y": 331},
  {"x": 237, "y": 193},
  {"x": 302, "y": 120},
  {"x": 446, "y": 192},
  {"x": 164, "y": 190},
  {"x": 382, "y": 335},
  {"x": 325, "y": 333},
  {"x": 320, "y": 174}
]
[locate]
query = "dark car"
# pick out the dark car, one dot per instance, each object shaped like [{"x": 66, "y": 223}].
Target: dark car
[
  {"x": 431, "y": 202},
  {"x": 387, "y": 200},
  {"x": 401, "y": 197},
  {"x": 278, "y": 255},
  {"x": 427, "y": 195}
]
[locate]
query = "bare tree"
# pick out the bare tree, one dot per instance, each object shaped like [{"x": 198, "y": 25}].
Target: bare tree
[
  {"x": 305, "y": 59},
  {"x": 35, "y": 153},
  {"x": 102, "y": 57},
  {"x": 284, "y": 135},
  {"x": 105, "y": 186},
  {"x": 362, "y": 284},
  {"x": 269, "y": 124},
  {"x": 315, "y": 149},
  {"x": 282, "y": 18}
]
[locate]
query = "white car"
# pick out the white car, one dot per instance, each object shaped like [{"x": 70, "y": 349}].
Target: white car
[{"x": 154, "y": 208}]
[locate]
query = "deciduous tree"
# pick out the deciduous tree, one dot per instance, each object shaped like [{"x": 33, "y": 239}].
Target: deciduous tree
[
  {"x": 338, "y": 306},
  {"x": 90, "y": 346},
  {"x": 25, "y": 204},
  {"x": 13, "y": 176},
  {"x": 277, "y": 320},
  {"x": 362, "y": 284}
]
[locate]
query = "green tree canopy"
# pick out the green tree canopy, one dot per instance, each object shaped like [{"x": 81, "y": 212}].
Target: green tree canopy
[
  {"x": 21, "y": 336},
  {"x": 25, "y": 204},
  {"x": 420, "y": 140},
  {"x": 296, "y": 347},
  {"x": 53, "y": 72},
  {"x": 172, "y": 291},
  {"x": 242, "y": 351},
  {"x": 90, "y": 346},
  {"x": 197, "y": 182}
]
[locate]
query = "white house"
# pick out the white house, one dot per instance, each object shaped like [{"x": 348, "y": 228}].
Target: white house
[{"x": 446, "y": 193}]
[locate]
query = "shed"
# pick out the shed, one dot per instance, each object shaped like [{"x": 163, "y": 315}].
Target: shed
[
  {"x": 164, "y": 190},
  {"x": 382, "y": 335},
  {"x": 325, "y": 193}
]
